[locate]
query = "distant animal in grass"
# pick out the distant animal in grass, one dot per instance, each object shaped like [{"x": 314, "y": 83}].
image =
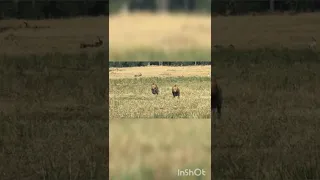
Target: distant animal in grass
[
  {"x": 175, "y": 91},
  {"x": 99, "y": 42},
  {"x": 138, "y": 75},
  {"x": 91, "y": 45},
  {"x": 231, "y": 46},
  {"x": 216, "y": 100},
  {"x": 313, "y": 43},
  {"x": 154, "y": 89},
  {"x": 27, "y": 25}
]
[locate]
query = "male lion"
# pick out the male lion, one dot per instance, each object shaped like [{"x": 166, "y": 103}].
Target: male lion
[
  {"x": 154, "y": 89},
  {"x": 175, "y": 91}
]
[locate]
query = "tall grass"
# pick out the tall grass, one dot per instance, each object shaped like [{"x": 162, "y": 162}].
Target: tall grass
[
  {"x": 53, "y": 117},
  {"x": 272, "y": 31},
  {"x": 271, "y": 114},
  {"x": 132, "y": 98},
  {"x": 154, "y": 149},
  {"x": 62, "y": 36},
  {"x": 153, "y": 136}
]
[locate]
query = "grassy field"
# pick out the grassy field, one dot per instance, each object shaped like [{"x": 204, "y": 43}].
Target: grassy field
[
  {"x": 154, "y": 149},
  {"x": 63, "y": 36},
  {"x": 273, "y": 31},
  {"x": 270, "y": 125},
  {"x": 179, "y": 36},
  {"x": 151, "y": 137},
  {"x": 271, "y": 110},
  {"x": 160, "y": 37},
  {"x": 53, "y": 104},
  {"x": 53, "y": 100},
  {"x": 126, "y": 93},
  {"x": 53, "y": 117},
  {"x": 154, "y": 136}
]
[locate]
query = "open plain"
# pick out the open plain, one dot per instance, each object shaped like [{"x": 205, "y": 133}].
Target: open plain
[
  {"x": 53, "y": 104},
  {"x": 266, "y": 31},
  {"x": 166, "y": 37},
  {"x": 52, "y": 36},
  {"x": 160, "y": 71},
  {"x": 152, "y": 136},
  {"x": 154, "y": 149},
  {"x": 132, "y": 98},
  {"x": 271, "y": 111}
]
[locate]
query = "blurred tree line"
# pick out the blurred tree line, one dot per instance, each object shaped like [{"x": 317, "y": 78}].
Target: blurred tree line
[
  {"x": 40, "y": 9},
  {"x": 239, "y": 7},
  {"x": 161, "y": 5},
  {"x": 134, "y": 64}
]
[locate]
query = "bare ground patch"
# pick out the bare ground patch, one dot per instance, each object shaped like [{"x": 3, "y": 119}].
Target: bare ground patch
[{"x": 160, "y": 71}]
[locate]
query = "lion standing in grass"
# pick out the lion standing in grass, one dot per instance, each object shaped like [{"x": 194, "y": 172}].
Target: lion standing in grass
[
  {"x": 175, "y": 91},
  {"x": 216, "y": 99},
  {"x": 154, "y": 89}
]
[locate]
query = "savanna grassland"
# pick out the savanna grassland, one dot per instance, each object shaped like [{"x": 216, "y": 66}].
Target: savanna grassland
[
  {"x": 271, "y": 116},
  {"x": 126, "y": 93},
  {"x": 268, "y": 31},
  {"x": 154, "y": 149},
  {"x": 154, "y": 37},
  {"x": 53, "y": 102},
  {"x": 152, "y": 136},
  {"x": 52, "y": 35}
]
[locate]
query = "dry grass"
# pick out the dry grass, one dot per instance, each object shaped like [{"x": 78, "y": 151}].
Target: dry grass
[
  {"x": 166, "y": 32},
  {"x": 126, "y": 93},
  {"x": 270, "y": 125},
  {"x": 271, "y": 105},
  {"x": 154, "y": 149},
  {"x": 64, "y": 36},
  {"x": 249, "y": 32},
  {"x": 151, "y": 137},
  {"x": 160, "y": 71},
  {"x": 53, "y": 118},
  {"x": 128, "y": 37}
]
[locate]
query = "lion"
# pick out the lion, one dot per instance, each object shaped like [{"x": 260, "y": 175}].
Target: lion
[
  {"x": 175, "y": 91},
  {"x": 154, "y": 89}
]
